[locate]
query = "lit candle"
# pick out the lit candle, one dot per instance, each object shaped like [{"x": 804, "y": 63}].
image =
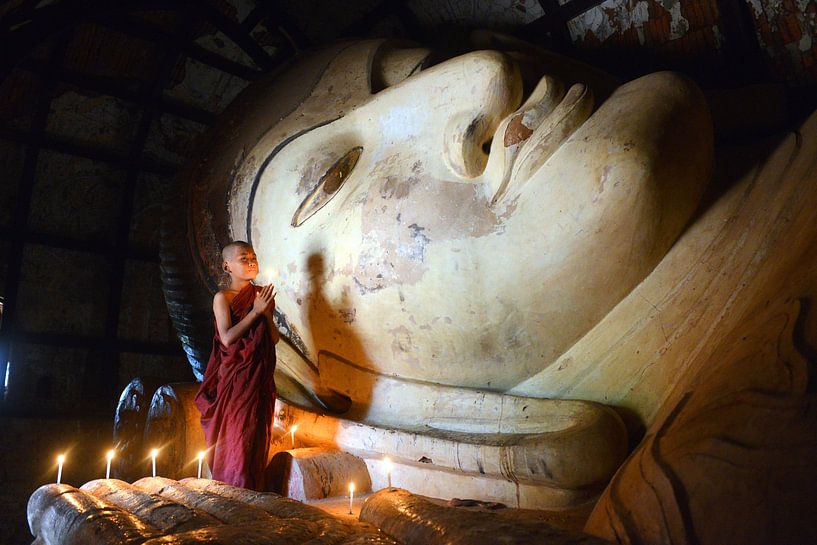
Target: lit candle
[
  {"x": 292, "y": 433},
  {"x": 108, "y": 468},
  {"x": 387, "y": 465},
  {"x": 265, "y": 277},
  {"x": 351, "y": 496},
  {"x": 153, "y": 454},
  {"x": 201, "y": 459},
  {"x": 60, "y": 461}
]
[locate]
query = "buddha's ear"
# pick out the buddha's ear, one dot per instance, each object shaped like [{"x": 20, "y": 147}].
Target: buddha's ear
[{"x": 392, "y": 64}]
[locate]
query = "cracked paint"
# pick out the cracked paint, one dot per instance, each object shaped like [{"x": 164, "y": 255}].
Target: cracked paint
[{"x": 786, "y": 31}]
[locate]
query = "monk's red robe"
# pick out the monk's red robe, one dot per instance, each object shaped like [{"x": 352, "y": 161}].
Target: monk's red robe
[{"x": 237, "y": 400}]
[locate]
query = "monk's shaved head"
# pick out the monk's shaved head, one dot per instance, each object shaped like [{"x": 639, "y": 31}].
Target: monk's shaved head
[{"x": 230, "y": 250}]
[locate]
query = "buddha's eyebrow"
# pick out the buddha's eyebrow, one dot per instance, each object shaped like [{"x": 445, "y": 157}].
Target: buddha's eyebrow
[{"x": 281, "y": 145}]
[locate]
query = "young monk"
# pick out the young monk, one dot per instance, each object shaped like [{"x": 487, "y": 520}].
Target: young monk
[{"x": 237, "y": 396}]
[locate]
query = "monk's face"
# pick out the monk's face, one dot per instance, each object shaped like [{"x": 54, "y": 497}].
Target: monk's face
[
  {"x": 457, "y": 228},
  {"x": 241, "y": 263}
]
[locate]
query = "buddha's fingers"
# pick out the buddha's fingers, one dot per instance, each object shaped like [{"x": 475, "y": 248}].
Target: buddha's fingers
[{"x": 62, "y": 514}]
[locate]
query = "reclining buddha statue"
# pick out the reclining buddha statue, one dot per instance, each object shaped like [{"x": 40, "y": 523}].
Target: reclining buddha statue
[{"x": 527, "y": 267}]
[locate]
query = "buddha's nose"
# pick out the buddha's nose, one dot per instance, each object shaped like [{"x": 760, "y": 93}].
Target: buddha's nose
[{"x": 488, "y": 92}]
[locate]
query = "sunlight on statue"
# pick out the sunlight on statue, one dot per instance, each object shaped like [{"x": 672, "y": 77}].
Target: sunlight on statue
[{"x": 460, "y": 229}]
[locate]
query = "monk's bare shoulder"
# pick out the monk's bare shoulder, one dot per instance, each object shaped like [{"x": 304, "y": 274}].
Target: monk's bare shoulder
[{"x": 222, "y": 299}]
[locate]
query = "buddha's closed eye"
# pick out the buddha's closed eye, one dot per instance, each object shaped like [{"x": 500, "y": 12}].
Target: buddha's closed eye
[{"x": 327, "y": 186}]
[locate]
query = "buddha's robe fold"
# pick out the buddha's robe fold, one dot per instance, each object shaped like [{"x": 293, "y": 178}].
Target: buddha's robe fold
[{"x": 237, "y": 400}]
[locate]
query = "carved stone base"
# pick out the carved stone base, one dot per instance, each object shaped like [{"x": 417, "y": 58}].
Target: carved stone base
[
  {"x": 414, "y": 520},
  {"x": 316, "y": 473}
]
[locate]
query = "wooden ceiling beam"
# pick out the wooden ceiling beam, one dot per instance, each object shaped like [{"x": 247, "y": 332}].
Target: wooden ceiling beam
[
  {"x": 258, "y": 14},
  {"x": 86, "y": 150},
  {"x": 124, "y": 90},
  {"x": 99, "y": 247},
  {"x": 140, "y": 29},
  {"x": 741, "y": 48},
  {"x": 287, "y": 26},
  {"x": 555, "y": 24},
  {"x": 237, "y": 34},
  {"x": 574, "y": 8},
  {"x": 71, "y": 340}
]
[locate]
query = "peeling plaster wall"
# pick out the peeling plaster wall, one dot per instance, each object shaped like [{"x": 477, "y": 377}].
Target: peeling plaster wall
[
  {"x": 671, "y": 28},
  {"x": 787, "y": 32}
]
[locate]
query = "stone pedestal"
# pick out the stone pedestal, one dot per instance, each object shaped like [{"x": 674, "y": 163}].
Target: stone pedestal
[{"x": 317, "y": 473}]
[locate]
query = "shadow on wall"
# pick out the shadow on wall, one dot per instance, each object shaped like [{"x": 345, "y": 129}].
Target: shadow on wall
[
  {"x": 332, "y": 330},
  {"x": 333, "y": 333}
]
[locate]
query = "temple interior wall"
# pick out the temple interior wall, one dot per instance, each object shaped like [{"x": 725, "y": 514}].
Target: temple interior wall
[{"x": 95, "y": 122}]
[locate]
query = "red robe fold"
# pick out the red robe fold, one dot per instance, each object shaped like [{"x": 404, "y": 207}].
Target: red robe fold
[{"x": 237, "y": 400}]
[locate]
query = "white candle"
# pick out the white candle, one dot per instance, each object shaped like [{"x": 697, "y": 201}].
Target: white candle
[
  {"x": 292, "y": 433},
  {"x": 351, "y": 496},
  {"x": 108, "y": 467},
  {"x": 153, "y": 454},
  {"x": 387, "y": 466},
  {"x": 60, "y": 461},
  {"x": 201, "y": 458}
]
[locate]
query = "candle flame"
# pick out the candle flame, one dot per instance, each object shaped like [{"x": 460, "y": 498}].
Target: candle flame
[
  {"x": 154, "y": 453},
  {"x": 387, "y": 464},
  {"x": 351, "y": 487},
  {"x": 60, "y": 458},
  {"x": 201, "y": 455},
  {"x": 111, "y": 454},
  {"x": 294, "y": 428}
]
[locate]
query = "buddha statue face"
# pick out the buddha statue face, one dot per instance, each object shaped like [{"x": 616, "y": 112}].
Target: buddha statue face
[{"x": 463, "y": 223}]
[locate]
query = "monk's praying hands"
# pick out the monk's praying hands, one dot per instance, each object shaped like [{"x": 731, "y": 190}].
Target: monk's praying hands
[{"x": 265, "y": 300}]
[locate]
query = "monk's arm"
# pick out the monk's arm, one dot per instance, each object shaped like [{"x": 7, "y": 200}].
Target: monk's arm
[{"x": 227, "y": 332}]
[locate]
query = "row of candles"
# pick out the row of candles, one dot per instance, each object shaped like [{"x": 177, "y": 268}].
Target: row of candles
[
  {"x": 154, "y": 453},
  {"x": 109, "y": 456}
]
